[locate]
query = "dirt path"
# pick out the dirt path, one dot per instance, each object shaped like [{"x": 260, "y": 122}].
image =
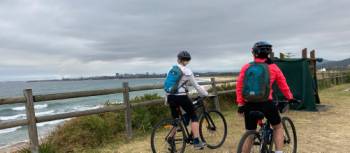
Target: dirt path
[{"x": 326, "y": 131}]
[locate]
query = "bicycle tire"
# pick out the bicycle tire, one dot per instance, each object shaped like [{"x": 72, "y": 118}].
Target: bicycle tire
[
  {"x": 207, "y": 118},
  {"x": 285, "y": 121},
  {"x": 167, "y": 122},
  {"x": 246, "y": 135}
]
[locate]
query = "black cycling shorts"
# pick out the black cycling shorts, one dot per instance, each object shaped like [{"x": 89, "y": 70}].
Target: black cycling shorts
[
  {"x": 269, "y": 109},
  {"x": 183, "y": 101}
]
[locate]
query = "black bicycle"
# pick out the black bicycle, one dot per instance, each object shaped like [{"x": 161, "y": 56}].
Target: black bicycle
[
  {"x": 261, "y": 141},
  {"x": 172, "y": 135}
]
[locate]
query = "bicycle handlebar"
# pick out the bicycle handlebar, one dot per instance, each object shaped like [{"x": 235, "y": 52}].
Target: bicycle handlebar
[{"x": 294, "y": 101}]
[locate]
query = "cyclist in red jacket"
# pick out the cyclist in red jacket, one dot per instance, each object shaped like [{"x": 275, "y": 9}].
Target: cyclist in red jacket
[{"x": 261, "y": 51}]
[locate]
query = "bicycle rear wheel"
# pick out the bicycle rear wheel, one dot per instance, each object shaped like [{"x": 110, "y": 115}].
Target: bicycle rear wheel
[
  {"x": 213, "y": 129},
  {"x": 249, "y": 143},
  {"x": 168, "y": 137},
  {"x": 290, "y": 136}
]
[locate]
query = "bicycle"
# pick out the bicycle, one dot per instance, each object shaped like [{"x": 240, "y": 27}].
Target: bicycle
[
  {"x": 172, "y": 135},
  {"x": 261, "y": 141}
]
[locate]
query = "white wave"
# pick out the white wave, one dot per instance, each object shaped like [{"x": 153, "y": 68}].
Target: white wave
[
  {"x": 22, "y": 108},
  {"x": 50, "y": 122},
  {"x": 114, "y": 102},
  {"x": 13, "y": 117},
  {"x": 50, "y": 112},
  {"x": 19, "y": 108},
  {"x": 82, "y": 108},
  {"x": 9, "y": 130},
  {"x": 40, "y": 106},
  {"x": 22, "y": 116}
]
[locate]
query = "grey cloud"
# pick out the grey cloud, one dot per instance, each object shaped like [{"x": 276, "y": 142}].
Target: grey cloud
[{"x": 220, "y": 33}]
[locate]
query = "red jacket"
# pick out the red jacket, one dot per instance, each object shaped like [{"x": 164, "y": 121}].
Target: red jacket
[{"x": 275, "y": 75}]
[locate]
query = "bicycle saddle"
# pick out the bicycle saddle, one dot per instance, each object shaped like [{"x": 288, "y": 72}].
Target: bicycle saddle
[{"x": 257, "y": 115}]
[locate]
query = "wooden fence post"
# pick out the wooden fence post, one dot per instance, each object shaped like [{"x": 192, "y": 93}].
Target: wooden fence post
[
  {"x": 304, "y": 53},
  {"x": 334, "y": 78},
  {"x": 282, "y": 56},
  {"x": 322, "y": 73},
  {"x": 313, "y": 70},
  {"x": 313, "y": 63},
  {"x": 216, "y": 98},
  {"x": 32, "y": 129},
  {"x": 128, "y": 119}
]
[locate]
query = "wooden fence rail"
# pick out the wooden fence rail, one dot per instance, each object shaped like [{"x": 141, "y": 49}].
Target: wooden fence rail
[{"x": 31, "y": 120}]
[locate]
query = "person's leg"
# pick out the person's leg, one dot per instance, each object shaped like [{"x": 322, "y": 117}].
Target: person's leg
[
  {"x": 272, "y": 114},
  {"x": 189, "y": 109},
  {"x": 187, "y": 106},
  {"x": 172, "y": 101},
  {"x": 173, "y": 105},
  {"x": 278, "y": 137},
  {"x": 250, "y": 124}
]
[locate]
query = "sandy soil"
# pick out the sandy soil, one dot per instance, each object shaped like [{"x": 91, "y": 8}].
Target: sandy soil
[{"x": 326, "y": 131}]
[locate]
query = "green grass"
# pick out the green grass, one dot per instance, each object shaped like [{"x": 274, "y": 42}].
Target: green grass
[{"x": 43, "y": 148}]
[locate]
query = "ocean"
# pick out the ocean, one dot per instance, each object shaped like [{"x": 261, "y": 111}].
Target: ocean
[{"x": 17, "y": 111}]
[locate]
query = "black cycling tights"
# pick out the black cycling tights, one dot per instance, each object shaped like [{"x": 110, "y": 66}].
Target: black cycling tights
[{"x": 183, "y": 101}]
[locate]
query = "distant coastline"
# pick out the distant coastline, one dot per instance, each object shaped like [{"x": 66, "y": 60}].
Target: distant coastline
[{"x": 136, "y": 76}]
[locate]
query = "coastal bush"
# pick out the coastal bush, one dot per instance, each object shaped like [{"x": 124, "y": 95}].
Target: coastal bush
[
  {"x": 227, "y": 101},
  {"x": 91, "y": 131},
  {"x": 43, "y": 148},
  {"x": 85, "y": 132},
  {"x": 347, "y": 78},
  {"x": 143, "y": 118}
]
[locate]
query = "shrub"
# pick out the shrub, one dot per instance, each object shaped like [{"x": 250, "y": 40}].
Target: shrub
[
  {"x": 92, "y": 131},
  {"x": 43, "y": 148}
]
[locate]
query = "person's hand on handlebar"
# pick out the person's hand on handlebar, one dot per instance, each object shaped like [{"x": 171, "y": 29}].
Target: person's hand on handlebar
[
  {"x": 241, "y": 110},
  {"x": 295, "y": 101}
]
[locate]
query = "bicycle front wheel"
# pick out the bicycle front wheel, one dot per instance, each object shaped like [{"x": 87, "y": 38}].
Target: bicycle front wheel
[
  {"x": 290, "y": 136},
  {"x": 168, "y": 137},
  {"x": 250, "y": 143},
  {"x": 213, "y": 129}
]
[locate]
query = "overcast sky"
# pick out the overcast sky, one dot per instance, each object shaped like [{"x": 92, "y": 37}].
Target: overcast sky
[{"x": 70, "y": 38}]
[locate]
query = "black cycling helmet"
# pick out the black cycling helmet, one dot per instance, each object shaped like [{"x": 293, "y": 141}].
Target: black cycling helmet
[
  {"x": 262, "y": 47},
  {"x": 184, "y": 55}
]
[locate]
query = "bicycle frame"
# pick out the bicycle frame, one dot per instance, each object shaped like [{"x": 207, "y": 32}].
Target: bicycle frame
[
  {"x": 181, "y": 121},
  {"x": 266, "y": 134}
]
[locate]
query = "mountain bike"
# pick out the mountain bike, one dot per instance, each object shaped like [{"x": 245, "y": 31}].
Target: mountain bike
[
  {"x": 172, "y": 135},
  {"x": 261, "y": 141}
]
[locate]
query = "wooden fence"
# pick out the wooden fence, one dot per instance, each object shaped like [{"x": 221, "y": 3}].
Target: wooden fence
[{"x": 31, "y": 119}]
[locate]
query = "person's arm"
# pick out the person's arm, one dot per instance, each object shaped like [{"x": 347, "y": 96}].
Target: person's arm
[
  {"x": 239, "y": 85},
  {"x": 282, "y": 84},
  {"x": 195, "y": 84}
]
